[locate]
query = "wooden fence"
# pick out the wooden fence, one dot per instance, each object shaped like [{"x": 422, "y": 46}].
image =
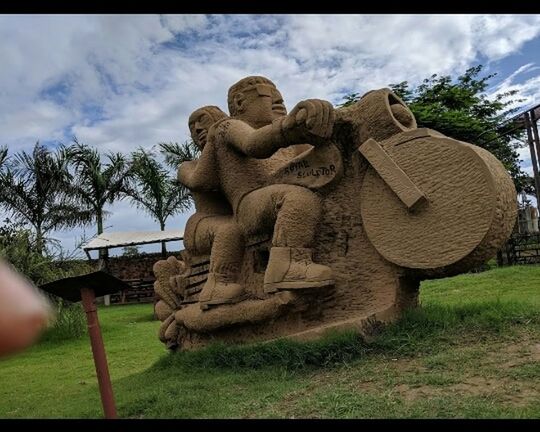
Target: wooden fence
[{"x": 523, "y": 249}]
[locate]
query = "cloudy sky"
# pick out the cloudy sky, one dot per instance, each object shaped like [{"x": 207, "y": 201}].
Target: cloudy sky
[{"x": 119, "y": 82}]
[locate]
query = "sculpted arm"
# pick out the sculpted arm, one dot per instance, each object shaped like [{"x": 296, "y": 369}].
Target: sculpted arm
[
  {"x": 199, "y": 174},
  {"x": 311, "y": 121},
  {"x": 258, "y": 143}
]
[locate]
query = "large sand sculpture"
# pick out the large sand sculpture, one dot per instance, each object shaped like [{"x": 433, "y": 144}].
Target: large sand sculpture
[{"x": 322, "y": 219}]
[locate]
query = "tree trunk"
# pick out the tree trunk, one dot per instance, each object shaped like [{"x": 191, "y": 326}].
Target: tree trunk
[
  {"x": 99, "y": 218},
  {"x": 103, "y": 253},
  {"x": 39, "y": 240},
  {"x": 163, "y": 247}
]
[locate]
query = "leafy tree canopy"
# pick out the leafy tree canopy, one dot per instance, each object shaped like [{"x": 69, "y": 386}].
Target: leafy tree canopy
[{"x": 461, "y": 109}]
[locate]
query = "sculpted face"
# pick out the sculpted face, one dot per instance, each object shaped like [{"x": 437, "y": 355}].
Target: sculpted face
[
  {"x": 278, "y": 107},
  {"x": 260, "y": 104},
  {"x": 256, "y": 103},
  {"x": 199, "y": 124}
]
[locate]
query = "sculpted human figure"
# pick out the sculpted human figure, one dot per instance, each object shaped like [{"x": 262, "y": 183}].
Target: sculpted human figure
[
  {"x": 212, "y": 229},
  {"x": 232, "y": 158}
]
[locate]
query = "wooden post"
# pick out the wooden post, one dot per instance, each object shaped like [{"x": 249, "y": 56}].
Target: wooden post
[
  {"x": 534, "y": 159},
  {"x": 536, "y": 137},
  {"x": 100, "y": 359}
]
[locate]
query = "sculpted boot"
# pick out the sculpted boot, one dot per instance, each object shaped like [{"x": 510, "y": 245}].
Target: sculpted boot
[
  {"x": 293, "y": 268},
  {"x": 216, "y": 292}
]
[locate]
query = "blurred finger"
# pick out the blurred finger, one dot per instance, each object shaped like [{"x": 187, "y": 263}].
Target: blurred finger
[{"x": 24, "y": 312}]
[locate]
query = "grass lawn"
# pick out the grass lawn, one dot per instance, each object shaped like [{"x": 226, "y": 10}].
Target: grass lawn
[{"x": 471, "y": 351}]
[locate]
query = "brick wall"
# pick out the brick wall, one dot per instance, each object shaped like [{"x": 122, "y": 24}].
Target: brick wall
[
  {"x": 139, "y": 267},
  {"x": 132, "y": 270}
]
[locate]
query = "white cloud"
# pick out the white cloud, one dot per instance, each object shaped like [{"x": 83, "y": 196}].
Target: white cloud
[
  {"x": 40, "y": 119},
  {"x": 500, "y": 35},
  {"x": 116, "y": 62},
  {"x": 147, "y": 73},
  {"x": 528, "y": 90}
]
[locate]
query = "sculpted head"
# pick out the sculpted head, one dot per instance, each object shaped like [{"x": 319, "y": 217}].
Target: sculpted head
[
  {"x": 200, "y": 122},
  {"x": 255, "y": 100}
]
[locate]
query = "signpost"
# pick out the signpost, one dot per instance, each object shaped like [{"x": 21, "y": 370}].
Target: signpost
[{"x": 86, "y": 288}]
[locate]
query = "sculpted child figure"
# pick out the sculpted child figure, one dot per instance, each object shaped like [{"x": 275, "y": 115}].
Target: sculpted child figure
[
  {"x": 233, "y": 159},
  {"x": 212, "y": 229}
]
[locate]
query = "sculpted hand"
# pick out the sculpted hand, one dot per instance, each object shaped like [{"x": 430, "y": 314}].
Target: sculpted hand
[{"x": 313, "y": 117}]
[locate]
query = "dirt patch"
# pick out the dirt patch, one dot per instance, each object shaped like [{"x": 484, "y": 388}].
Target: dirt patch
[
  {"x": 516, "y": 353},
  {"x": 408, "y": 378},
  {"x": 470, "y": 382},
  {"x": 517, "y": 393}
]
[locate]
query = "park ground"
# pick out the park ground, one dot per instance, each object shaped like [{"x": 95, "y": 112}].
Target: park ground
[{"x": 471, "y": 351}]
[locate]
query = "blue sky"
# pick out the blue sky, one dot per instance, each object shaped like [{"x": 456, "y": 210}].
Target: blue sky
[{"x": 119, "y": 82}]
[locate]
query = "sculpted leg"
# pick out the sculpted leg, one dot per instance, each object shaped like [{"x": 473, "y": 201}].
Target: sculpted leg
[
  {"x": 221, "y": 238},
  {"x": 294, "y": 212},
  {"x": 225, "y": 261}
]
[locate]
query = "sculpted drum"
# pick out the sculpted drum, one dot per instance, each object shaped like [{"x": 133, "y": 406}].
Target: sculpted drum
[{"x": 467, "y": 193}]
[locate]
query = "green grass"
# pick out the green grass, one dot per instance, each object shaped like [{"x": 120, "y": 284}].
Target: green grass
[
  {"x": 472, "y": 351},
  {"x": 69, "y": 322}
]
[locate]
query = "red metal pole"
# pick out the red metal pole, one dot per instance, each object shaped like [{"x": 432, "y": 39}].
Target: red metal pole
[{"x": 100, "y": 359}]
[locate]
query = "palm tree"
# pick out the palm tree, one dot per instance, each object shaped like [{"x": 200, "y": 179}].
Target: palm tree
[
  {"x": 97, "y": 183},
  {"x": 154, "y": 191},
  {"x": 175, "y": 153},
  {"x": 33, "y": 189},
  {"x": 3, "y": 155}
]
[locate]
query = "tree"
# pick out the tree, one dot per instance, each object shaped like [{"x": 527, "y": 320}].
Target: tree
[
  {"x": 33, "y": 189},
  {"x": 153, "y": 190},
  {"x": 97, "y": 183},
  {"x": 175, "y": 153},
  {"x": 462, "y": 110},
  {"x": 18, "y": 247},
  {"x": 3, "y": 155},
  {"x": 130, "y": 251}
]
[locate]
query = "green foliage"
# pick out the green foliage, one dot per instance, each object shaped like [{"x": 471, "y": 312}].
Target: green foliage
[
  {"x": 175, "y": 153},
  {"x": 130, "y": 251},
  {"x": 18, "y": 247},
  {"x": 69, "y": 323},
  {"x": 333, "y": 350},
  {"x": 3, "y": 155},
  {"x": 460, "y": 108},
  {"x": 33, "y": 189},
  {"x": 153, "y": 190},
  {"x": 420, "y": 331},
  {"x": 96, "y": 183}
]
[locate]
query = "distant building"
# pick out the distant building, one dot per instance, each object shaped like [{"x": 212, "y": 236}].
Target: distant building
[
  {"x": 528, "y": 220},
  {"x": 133, "y": 268}
]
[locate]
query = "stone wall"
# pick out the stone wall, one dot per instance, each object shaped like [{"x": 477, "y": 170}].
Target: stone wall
[
  {"x": 137, "y": 267},
  {"x": 137, "y": 271}
]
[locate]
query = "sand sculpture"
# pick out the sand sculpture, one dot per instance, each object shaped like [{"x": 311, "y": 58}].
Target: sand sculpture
[{"x": 322, "y": 219}]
